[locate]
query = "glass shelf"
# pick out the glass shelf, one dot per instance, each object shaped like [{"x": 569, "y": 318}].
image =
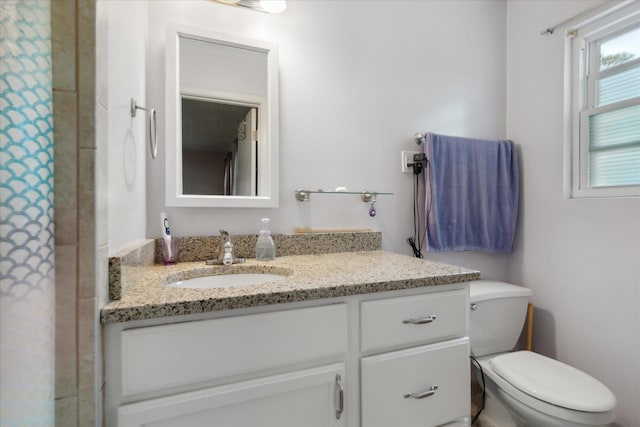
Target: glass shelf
[{"x": 303, "y": 195}]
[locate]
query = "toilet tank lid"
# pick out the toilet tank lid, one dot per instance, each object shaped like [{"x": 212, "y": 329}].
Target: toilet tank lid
[
  {"x": 480, "y": 290},
  {"x": 554, "y": 382}
]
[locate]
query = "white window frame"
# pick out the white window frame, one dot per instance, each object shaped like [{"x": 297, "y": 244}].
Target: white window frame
[{"x": 579, "y": 91}]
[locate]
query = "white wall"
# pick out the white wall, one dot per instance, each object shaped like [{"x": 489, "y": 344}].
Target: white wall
[
  {"x": 357, "y": 80},
  {"x": 122, "y": 53},
  {"x": 581, "y": 258}
]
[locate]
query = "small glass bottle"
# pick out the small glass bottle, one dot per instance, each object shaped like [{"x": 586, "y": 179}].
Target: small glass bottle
[{"x": 265, "y": 248}]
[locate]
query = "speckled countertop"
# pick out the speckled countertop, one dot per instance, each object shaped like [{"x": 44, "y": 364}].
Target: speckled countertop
[{"x": 308, "y": 277}]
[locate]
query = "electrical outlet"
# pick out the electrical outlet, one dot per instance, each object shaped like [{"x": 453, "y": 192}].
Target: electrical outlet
[{"x": 407, "y": 157}]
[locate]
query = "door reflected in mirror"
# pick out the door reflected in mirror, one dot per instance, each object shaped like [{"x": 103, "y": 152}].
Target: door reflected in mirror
[{"x": 219, "y": 148}]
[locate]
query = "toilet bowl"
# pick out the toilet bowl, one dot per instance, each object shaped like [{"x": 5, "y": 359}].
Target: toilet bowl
[{"x": 524, "y": 388}]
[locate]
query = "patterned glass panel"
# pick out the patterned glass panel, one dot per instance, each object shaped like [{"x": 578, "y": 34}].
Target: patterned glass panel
[{"x": 26, "y": 216}]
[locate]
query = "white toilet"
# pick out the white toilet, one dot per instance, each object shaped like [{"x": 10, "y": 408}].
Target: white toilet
[{"x": 524, "y": 388}]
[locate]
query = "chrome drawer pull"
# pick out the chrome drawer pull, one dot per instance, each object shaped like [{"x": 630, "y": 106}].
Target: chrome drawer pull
[
  {"x": 340, "y": 389},
  {"x": 422, "y": 395},
  {"x": 421, "y": 321}
]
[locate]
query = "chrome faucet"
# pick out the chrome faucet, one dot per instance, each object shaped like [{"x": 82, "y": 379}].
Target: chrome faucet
[{"x": 225, "y": 242}]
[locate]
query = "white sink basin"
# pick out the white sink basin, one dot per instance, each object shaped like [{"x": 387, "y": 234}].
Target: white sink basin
[{"x": 226, "y": 281}]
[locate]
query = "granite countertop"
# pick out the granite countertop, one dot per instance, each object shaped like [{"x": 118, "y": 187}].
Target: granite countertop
[{"x": 308, "y": 277}]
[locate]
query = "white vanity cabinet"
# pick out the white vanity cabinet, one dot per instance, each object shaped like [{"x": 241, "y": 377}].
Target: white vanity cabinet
[{"x": 384, "y": 359}]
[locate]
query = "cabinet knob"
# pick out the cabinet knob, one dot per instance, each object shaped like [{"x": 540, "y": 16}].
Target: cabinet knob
[
  {"x": 423, "y": 394},
  {"x": 421, "y": 321}
]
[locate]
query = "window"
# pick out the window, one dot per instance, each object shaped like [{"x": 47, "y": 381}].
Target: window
[{"x": 604, "y": 99}]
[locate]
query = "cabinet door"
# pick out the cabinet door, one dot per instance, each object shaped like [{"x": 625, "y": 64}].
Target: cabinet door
[
  {"x": 311, "y": 397},
  {"x": 424, "y": 386}
]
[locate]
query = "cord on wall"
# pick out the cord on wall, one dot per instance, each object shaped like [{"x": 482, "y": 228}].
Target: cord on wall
[
  {"x": 420, "y": 163},
  {"x": 484, "y": 394}
]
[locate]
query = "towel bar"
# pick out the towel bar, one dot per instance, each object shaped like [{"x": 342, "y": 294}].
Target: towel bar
[{"x": 153, "y": 134}]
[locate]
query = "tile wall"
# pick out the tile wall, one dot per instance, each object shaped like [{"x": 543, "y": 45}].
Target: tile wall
[{"x": 78, "y": 382}]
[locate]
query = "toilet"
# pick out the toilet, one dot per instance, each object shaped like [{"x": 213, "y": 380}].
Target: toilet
[{"x": 525, "y": 388}]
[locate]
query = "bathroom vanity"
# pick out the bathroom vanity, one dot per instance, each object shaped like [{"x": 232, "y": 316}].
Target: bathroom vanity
[{"x": 346, "y": 339}]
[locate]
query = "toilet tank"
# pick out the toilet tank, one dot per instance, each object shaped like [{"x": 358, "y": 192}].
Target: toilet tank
[{"x": 498, "y": 311}]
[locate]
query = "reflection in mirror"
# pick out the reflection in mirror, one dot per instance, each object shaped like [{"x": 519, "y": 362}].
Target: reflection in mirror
[
  {"x": 219, "y": 148},
  {"x": 222, "y": 120}
]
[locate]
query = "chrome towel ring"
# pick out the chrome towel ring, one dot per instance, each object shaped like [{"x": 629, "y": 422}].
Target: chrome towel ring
[{"x": 153, "y": 134}]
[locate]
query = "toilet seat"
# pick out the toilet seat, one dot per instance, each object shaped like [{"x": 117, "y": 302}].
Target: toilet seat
[
  {"x": 510, "y": 392},
  {"x": 553, "y": 382}
]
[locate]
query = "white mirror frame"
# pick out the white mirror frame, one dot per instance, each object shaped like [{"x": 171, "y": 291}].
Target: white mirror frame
[{"x": 268, "y": 154}]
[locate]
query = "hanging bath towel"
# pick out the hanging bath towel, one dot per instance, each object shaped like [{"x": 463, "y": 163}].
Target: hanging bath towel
[{"x": 472, "y": 189}]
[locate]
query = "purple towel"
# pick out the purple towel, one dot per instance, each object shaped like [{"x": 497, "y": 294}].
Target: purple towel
[{"x": 472, "y": 189}]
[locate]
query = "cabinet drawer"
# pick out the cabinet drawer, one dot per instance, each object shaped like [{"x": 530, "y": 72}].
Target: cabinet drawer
[
  {"x": 159, "y": 357},
  {"x": 388, "y": 378},
  {"x": 437, "y": 316}
]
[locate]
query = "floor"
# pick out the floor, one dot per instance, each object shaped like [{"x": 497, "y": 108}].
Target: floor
[{"x": 476, "y": 400}]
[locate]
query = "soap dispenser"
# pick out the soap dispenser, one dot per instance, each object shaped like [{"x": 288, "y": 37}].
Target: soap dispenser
[
  {"x": 227, "y": 258},
  {"x": 265, "y": 248}
]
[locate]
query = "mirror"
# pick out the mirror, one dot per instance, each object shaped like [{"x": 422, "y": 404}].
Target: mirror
[{"x": 222, "y": 120}]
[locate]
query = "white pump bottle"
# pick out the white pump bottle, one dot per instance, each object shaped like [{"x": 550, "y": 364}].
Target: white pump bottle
[{"x": 265, "y": 247}]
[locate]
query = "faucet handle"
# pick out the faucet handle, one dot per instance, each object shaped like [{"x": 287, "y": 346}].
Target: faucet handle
[{"x": 224, "y": 238}]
